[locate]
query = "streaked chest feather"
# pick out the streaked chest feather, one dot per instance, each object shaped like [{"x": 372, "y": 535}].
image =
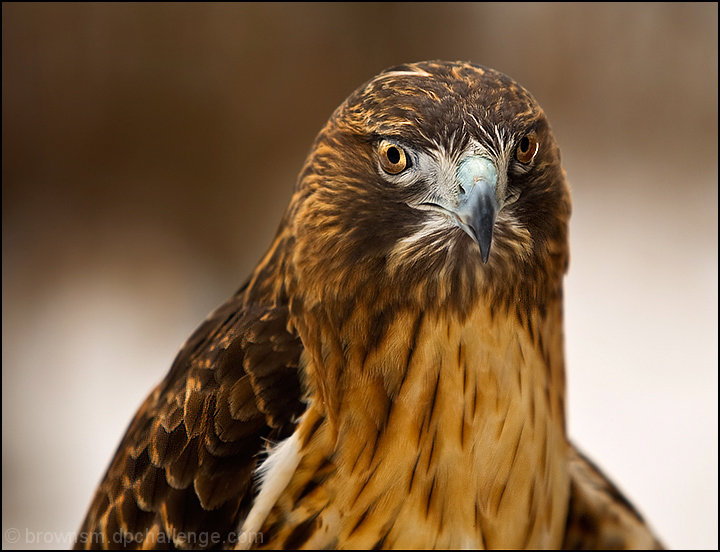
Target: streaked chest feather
[{"x": 459, "y": 444}]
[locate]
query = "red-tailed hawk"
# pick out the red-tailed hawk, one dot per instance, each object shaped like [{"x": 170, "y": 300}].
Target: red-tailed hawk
[{"x": 391, "y": 375}]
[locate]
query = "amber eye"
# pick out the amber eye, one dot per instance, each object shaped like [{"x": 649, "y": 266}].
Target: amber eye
[
  {"x": 392, "y": 157},
  {"x": 527, "y": 148}
]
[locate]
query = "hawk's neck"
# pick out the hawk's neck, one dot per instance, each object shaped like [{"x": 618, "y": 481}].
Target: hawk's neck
[{"x": 446, "y": 432}]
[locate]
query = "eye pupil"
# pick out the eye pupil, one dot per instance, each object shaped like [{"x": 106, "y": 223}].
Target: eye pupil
[
  {"x": 393, "y": 155},
  {"x": 527, "y": 148}
]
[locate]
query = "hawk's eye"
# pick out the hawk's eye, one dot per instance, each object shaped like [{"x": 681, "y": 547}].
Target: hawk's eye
[
  {"x": 392, "y": 157},
  {"x": 527, "y": 148}
]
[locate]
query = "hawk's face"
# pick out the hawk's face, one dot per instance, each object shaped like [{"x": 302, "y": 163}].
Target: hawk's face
[{"x": 437, "y": 180}]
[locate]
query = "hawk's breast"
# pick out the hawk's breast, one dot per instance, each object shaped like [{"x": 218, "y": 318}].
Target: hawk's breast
[{"x": 469, "y": 449}]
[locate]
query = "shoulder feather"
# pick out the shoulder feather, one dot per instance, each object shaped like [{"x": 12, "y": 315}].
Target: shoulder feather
[
  {"x": 183, "y": 473},
  {"x": 599, "y": 516}
]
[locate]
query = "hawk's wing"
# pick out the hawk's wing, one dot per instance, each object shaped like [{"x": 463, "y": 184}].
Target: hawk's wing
[
  {"x": 183, "y": 473},
  {"x": 599, "y": 516}
]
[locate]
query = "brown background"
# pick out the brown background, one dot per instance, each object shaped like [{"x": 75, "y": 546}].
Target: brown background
[{"x": 149, "y": 151}]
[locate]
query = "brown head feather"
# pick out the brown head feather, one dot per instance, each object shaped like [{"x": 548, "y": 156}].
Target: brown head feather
[{"x": 341, "y": 232}]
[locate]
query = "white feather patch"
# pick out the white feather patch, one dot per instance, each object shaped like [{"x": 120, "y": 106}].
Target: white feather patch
[
  {"x": 416, "y": 73},
  {"x": 275, "y": 474}
]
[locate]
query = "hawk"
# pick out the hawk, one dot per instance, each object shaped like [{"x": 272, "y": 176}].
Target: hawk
[{"x": 391, "y": 374}]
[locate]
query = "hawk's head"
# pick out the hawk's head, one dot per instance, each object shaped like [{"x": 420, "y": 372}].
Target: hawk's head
[{"x": 433, "y": 182}]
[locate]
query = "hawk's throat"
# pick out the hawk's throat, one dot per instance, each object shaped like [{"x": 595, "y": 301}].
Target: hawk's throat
[{"x": 447, "y": 433}]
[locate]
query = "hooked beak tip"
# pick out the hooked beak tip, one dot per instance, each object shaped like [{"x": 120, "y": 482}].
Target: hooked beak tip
[
  {"x": 485, "y": 255},
  {"x": 482, "y": 236}
]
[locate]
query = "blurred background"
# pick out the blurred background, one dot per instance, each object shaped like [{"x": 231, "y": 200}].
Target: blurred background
[{"x": 149, "y": 150}]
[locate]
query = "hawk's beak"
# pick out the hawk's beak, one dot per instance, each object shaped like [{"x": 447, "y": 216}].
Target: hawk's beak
[{"x": 477, "y": 205}]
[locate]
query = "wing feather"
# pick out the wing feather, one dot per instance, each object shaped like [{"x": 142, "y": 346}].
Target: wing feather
[
  {"x": 186, "y": 462},
  {"x": 599, "y": 516}
]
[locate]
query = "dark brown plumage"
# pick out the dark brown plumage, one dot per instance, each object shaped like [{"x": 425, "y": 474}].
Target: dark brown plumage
[{"x": 401, "y": 339}]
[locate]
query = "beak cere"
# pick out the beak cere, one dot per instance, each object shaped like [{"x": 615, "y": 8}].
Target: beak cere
[{"x": 477, "y": 205}]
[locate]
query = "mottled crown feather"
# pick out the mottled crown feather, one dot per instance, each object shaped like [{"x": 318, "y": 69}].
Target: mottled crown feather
[{"x": 347, "y": 220}]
